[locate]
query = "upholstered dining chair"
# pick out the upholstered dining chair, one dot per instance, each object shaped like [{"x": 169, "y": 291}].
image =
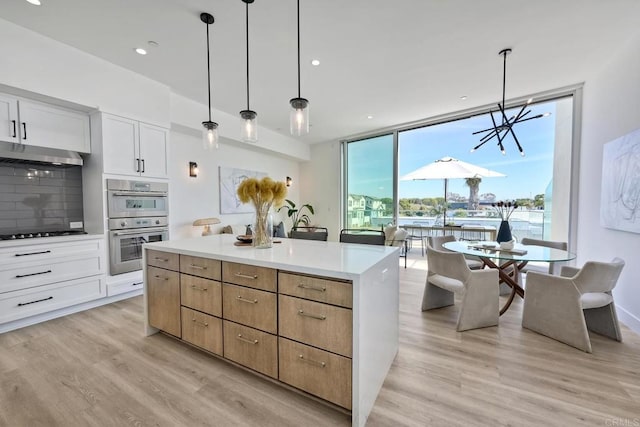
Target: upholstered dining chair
[
  {"x": 309, "y": 233},
  {"x": 399, "y": 239},
  {"x": 449, "y": 274},
  {"x": 544, "y": 267},
  {"x": 436, "y": 242},
  {"x": 565, "y": 307}
]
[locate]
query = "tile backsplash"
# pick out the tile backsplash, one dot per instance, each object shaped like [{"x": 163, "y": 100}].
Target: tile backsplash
[{"x": 38, "y": 197}]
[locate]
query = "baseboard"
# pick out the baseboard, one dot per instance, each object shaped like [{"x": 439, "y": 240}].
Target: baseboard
[
  {"x": 630, "y": 321},
  {"x": 28, "y": 321}
]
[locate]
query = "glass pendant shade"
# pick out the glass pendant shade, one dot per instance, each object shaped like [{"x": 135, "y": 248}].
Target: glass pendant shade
[
  {"x": 209, "y": 135},
  {"x": 299, "y": 116},
  {"x": 249, "y": 131}
]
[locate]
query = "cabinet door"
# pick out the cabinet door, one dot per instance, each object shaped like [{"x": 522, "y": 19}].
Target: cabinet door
[
  {"x": 119, "y": 145},
  {"x": 9, "y": 119},
  {"x": 163, "y": 299},
  {"x": 48, "y": 126},
  {"x": 153, "y": 151}
]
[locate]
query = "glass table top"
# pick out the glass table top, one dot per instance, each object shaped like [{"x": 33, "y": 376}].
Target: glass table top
[{"x": 519, "y": 252}]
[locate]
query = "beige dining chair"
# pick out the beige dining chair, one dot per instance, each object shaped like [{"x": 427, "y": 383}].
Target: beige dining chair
[
  {"x": 449, "y": 274},
  {"x": 399, "y": 239},
  {"x": 436, "y": 242},
  {"x": 543, "y": 267},
  {"x": 565, "y": 307}
]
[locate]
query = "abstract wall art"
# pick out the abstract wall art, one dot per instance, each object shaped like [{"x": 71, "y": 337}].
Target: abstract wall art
[{"x": 230, "y": 178}]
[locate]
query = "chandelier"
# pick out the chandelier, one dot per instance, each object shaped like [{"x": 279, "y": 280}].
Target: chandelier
[{"x": 504, "y": 125}]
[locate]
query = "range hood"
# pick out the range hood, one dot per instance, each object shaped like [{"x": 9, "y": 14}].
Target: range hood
[{"x": 21, "y": 153}]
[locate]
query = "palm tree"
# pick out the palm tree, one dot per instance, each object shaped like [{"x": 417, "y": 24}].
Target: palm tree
[{"x": 474, "y": 189}]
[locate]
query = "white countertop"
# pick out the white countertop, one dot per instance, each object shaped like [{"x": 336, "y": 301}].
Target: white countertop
[
  {"x": 48, "y": 240},
  {"x": 340, "y": 260}
]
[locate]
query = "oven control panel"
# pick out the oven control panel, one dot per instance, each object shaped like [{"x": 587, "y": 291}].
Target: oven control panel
[{"x": 143, "y": 222}]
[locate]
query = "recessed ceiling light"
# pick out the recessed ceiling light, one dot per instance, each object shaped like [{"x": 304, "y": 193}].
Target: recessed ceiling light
[
  {"x": 315, "y": 62},
  {"x": 35, "y": 2},
  {"x": 464, "y": 97},
  {"x": 140, "y": 51},
  {"x": 153, "y": 43},
  {"x": 369, "y": 117}
]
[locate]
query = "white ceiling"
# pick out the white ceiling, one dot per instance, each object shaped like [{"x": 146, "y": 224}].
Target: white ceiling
[{"x": 399, "y": 61}]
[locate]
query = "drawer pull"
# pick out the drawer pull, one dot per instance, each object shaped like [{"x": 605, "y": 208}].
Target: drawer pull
[
  {"x": 19, "y": 276},
  {"x": 250, "y": 301},
  {"x": 314, "y": 316},
  {"x": 20, "y": 304},
  {"x": 34, "y": 253},
  {"x": 313, "y": 362},
  {"x": 205, "y": 324},
  {"x": 137, "y": 283},
  {"x": 161, "y": 259},
  {"x": 312, "y": 288},
  {"x": 160, "y": 277},
  {"x": 246, "y": 276},
  {"x": 243, "y": 339},
  {"x": 195, "y": 288},
  {"x": 197, "y": 267}
]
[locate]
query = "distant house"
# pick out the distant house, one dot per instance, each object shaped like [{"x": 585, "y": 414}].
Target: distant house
[{"x": 363, "y": 210}]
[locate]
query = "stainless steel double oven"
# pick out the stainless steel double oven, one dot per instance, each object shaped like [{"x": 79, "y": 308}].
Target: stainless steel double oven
[{"x": 138, "y": 213}]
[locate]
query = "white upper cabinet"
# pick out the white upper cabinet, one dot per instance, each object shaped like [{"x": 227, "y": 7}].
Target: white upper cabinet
[
  {"x": 34, "y": 123},
  {"x": 134, "y": 148}
]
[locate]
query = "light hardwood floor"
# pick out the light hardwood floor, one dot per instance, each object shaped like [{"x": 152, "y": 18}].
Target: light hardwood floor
[{"x": 96, "y": 368}]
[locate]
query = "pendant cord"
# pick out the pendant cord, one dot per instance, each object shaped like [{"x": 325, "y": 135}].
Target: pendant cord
[
  {"x": 504, "y": 81},
  {"x": 208, "y": 72},
  {"x": 247, "y": 23},
  {"x": 298, "y": 48}
]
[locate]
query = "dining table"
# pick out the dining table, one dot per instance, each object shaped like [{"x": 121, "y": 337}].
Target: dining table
[{"x": 509, "y": 262}]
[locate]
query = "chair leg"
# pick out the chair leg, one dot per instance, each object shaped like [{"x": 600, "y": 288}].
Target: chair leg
[
  {"x": 603, "y": 321},
  {"x": 435, "y": 297}
]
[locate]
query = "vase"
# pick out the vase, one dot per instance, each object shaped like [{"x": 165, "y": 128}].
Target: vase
[
  {"x": 504, "y": 232},
  {"x": 263, "y": 229}
]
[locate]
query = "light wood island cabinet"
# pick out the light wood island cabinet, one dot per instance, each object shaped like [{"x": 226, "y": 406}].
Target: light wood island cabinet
[{"x": 305, "y": 313}]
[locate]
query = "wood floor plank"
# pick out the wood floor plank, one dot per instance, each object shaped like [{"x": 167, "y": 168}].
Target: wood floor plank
[{"x": 97, "y": 368}]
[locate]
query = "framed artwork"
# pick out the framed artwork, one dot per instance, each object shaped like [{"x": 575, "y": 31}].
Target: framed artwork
[
  {"x": 620, "y": 200},
  {"x": 229, "y": 180}
]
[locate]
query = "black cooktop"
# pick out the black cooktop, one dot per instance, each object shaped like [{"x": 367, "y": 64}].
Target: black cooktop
[{"x": 20, "y": 236}]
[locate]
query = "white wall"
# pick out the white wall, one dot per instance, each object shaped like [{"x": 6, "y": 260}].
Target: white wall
[
  {"x": 193, "y": 198},
  {"x": 610, "y": 110}
]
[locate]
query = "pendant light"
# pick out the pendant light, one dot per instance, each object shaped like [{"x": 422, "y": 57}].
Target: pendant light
[
  {"x": 299, "y": 114},
  {"x": 249, "y": 131},
  {"x": 505, "y": 127},
  {"x": 210, "y": 131}
]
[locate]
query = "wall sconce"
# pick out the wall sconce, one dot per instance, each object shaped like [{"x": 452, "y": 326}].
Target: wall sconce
[
  {"x": 206, "y": 222},
  {"x": 289, "y": 181},
  {"x": 193, "y": 169}
]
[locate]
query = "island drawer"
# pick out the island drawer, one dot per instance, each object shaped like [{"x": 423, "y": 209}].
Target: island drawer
[
  {"x": 163, "y": 299},
  {"x": 165, "y": 260},
  {"x": 316, "y": 324},
  {"x": 202, "y": 267},
  {"x": 316, "y": 289},
  {"x": 315, "y": 371},
  {"x": 201, "y": 294},
  {"x": 202, "y": 330},
  {"x": 252, "y": 348},
  {"x": 250, "y": 307},
  {"x": 249, "y": 275}
]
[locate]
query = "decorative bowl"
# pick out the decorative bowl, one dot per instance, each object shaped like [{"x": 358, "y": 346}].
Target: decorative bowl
[
  {"x": 507, "y": 245},
  {"x": 245, "y": 238}
]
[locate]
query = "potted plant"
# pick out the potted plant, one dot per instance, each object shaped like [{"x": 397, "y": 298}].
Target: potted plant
[{"x": 297, "y": 215}]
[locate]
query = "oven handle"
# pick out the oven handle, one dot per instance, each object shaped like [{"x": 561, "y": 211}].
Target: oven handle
[
  {"x": 141, "y": 194},
  {"x": 140, "y": 231}
]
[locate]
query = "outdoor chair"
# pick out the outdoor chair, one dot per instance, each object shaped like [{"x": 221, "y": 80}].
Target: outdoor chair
[
  {"x": 449, "y": 274},
  {"x": 418, "y": 233},
  {"x": 363, "y": 236},
  {"x": 565, "y": 307},
  {"x": 309, "y": 233}
]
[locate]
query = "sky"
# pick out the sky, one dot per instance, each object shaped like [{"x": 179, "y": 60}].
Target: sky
[{"x": 371, "y": 161}]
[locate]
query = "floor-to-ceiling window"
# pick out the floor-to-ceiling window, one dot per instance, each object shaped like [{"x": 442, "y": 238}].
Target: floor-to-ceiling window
[
  {"x": 539, "y": 181},
  {"x": 369, "y": 182}
]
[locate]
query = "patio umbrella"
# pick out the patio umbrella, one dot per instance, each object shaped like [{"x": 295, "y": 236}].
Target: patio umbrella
[{"x": 449, "y": 168}]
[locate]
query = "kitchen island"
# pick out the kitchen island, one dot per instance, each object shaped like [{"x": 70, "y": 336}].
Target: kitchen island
[{"x": 321, "y": 317}]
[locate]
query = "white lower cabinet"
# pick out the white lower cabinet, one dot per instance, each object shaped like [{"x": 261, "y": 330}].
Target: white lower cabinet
[{"x": 50, "y": 275}]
